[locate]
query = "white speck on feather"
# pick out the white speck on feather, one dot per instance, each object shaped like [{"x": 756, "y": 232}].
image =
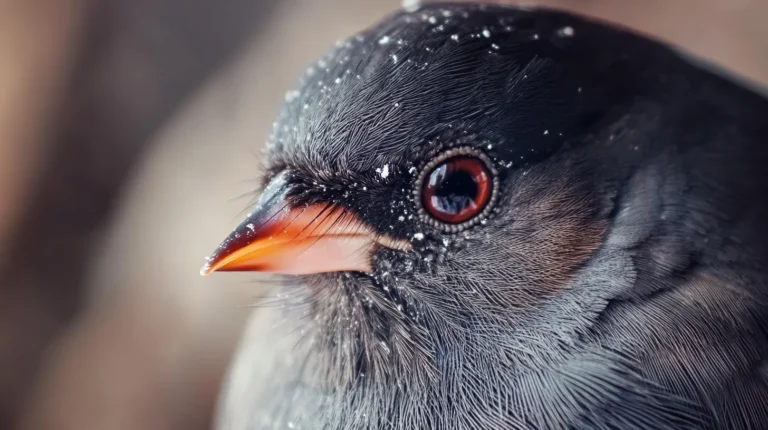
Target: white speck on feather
[
  {"x": 432, "y": 20},
  {"x": 384, "y": 40},
  {"x": 418, "y": 236},
  {"x": 384, "y": 347},
  {"x": 546, "y": 132},
  {"x": 394, "y": 58},
  {"x": 383, "y": 171},
  {"x": 486, "y": 33},
  {"x": 251, "y": 227},
  {"x": 495, "y": 46},
  {"x": 455, "y": 37},
  {"x": 567, "y": 31}
]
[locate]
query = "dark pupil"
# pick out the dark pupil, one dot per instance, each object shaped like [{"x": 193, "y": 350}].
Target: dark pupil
[{"x": 455, "y": 190}]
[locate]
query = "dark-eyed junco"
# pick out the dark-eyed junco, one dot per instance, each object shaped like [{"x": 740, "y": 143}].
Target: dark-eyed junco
[{"x": 497, "y": 218}]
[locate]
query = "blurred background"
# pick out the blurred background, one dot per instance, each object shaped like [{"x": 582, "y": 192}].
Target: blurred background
[{"x": 130, "y": 136}]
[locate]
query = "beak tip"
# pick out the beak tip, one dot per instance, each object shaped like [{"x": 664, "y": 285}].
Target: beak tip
[{"x": 207, "y": 269}]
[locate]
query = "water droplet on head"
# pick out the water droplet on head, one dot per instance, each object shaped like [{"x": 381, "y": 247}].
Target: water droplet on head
[{"x": 411, "y": 5}]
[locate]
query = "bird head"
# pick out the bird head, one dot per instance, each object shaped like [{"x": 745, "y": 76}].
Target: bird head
[{"x": 445, "y": 189}]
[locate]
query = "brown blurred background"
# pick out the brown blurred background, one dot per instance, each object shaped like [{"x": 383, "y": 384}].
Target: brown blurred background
[{"x": 129, "y": 129}]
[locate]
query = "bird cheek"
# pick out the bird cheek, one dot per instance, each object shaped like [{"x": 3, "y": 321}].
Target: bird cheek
[{"x": 541, "y": 245}]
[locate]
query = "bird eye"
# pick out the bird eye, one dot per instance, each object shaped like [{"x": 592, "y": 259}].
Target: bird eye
[{"x": 456, "y": 189}]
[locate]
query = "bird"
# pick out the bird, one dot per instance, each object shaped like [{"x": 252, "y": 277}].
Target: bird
[{"x": 497, "y": 217}]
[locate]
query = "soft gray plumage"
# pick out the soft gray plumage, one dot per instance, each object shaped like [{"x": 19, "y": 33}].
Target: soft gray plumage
[{"x": 619, "y": 284}]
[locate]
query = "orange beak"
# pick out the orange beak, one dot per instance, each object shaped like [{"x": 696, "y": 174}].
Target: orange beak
[{"x": 279, "y": 238}]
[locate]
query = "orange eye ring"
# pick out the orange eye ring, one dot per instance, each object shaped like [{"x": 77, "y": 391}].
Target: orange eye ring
[{"x": 457, "y": 189}]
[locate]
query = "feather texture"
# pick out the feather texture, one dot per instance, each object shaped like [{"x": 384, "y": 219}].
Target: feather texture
[{"x": 620, "y": 282}]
